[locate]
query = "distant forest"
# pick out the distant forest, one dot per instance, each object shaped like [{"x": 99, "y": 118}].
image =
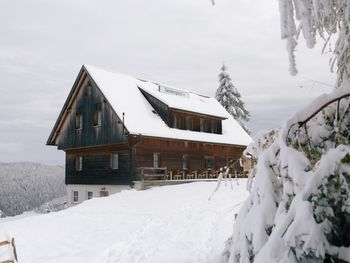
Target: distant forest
[{"x": 25, "y": 186}]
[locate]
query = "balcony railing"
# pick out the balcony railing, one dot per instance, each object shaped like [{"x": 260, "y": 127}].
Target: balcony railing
[
  {"x": 152, "y": 173},
  {"x": 162, "y": 173}
]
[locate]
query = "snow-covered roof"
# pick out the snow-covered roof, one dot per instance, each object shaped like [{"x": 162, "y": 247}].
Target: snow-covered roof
[
  {"x": 184, "y": 100},
  {"x": 123, "y": 94}
]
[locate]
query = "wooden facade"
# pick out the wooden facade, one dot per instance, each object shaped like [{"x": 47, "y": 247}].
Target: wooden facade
[
  {"x": 96, "y": 165},
  {"x": 137, "y": 153},
  {"x": 179, "y": 155},
  {"x": 88, "y": 101},
  {"x": 92, "y": 134}
]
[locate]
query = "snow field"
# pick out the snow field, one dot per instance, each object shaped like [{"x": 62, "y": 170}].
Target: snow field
[{"x": 165, "y": 224}]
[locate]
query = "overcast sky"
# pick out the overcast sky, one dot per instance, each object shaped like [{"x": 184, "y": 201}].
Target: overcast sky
[{"x": 180, "y": 43}]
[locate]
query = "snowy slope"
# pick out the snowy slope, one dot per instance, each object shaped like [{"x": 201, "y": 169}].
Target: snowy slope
[{"x": 164, "y": 224}]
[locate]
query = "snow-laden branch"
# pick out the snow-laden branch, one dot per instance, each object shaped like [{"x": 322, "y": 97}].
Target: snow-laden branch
[
  {"x": 300, "y": 200},
  {"x": 322, "y": 17}
]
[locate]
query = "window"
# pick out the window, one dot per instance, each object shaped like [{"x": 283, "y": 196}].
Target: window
[
  {"x": 184, "y": 162},
  {"x": 196, "y": 124},
  {"x": 115, "y": 161},
  {"x": 215, "y": 127},
  {"x": 176, "y": 122},
  {"x": 79, "y": 163},
  {"x": 75, "y": 198},
  {"x": 79, "y": 121},
  {"x": 188, "y": 123},
  {"x": 219, "y": 128},
  {"x": 201, "y": 125},
  {"x": 181, "y": 124},
  {"x": 209, "y": 162},
  {"x": 209, "y": 127},
  {"x": 89, "y": 195},
  {"x": 156, "y": 160},
  {"x": 98, "y": 118}
]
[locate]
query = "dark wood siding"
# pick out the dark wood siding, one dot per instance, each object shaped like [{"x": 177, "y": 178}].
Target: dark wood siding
[
  {"x": 89, "y": 100},
  {"x": 171, "y": 152},
  {"x": 211, "y": 124},
  {"x": 96, "y": 168}
]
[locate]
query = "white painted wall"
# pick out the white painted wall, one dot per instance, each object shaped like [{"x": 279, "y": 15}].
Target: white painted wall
[{"x": 95, "y": 189}]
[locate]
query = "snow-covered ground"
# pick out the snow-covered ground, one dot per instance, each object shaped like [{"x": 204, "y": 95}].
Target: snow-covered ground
[{"x": 165, "y": 224}]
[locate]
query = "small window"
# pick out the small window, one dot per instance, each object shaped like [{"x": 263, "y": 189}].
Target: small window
[
  {"x": 89, "y": 195},
  {"x": 115, "y": 161},
  {"x": 196, "y": 124},
  {"x": 219, "y": 128},
  {"x": 156, "y": 160},
  {"x": 75, "y": 197},
  {"x": 215, "y": 127},
  {"x": 79, "y": 163},
  {"x": 202, "y": 122},
  {"x": 98, "y": 118},
  {"x": 209, "y": 162},
  {"x": 209, "y": 127},
  {"x": 188, "y": 123},
  {"x": 184, "y": 162},
  {"x": 176, "y": 122},
  {"x": 181, "y": 123},
  {"x": 79, "y": 121}
]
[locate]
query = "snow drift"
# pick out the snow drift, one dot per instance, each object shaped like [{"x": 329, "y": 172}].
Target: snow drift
[{"x": 165, "y": 224}]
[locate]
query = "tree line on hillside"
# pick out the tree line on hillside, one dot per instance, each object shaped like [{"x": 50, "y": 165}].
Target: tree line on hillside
[{"x": 26, "y": 186}]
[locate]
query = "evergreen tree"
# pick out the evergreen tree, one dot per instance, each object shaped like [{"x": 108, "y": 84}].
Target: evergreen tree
[{"x": 230, "y": 99}]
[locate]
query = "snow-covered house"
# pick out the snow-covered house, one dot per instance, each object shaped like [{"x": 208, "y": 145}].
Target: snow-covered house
[{"x": 116, "y": 129}]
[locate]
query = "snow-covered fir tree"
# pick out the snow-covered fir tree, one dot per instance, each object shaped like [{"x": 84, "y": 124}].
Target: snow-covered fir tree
[
  {"x": 299, "y": 206},
  {"x": 230, "y": 99}
]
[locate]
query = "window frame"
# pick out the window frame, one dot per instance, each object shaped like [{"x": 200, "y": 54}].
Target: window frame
[
  {"x": 74, "y": 201},
  {"x": 113, "y": 154},
  {"x": 79, "y": 121},
  {"x": 156, "y": 160},
  {"x": 209, "y": 127},
  {"x": 202, "y": 125},
  {"x": 184, "y": 162},
  {"x": 219, "y": 127},
  {"x": 176, "y": 122},
  {"x": 188, "y": 123},
  {"x": 209, "y": 160},
  {"x": 97, "y": 118},
  {"x": 88, "y": 197},
  {"x": 78, "y": 163},
  {"x": 215, "y": 127}
]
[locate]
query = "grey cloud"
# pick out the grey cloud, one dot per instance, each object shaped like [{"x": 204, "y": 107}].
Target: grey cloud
[{"x": 181, "y": 43}]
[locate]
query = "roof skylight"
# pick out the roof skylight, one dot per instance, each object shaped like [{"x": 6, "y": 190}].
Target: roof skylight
[{"x": 173, "y": 91}]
